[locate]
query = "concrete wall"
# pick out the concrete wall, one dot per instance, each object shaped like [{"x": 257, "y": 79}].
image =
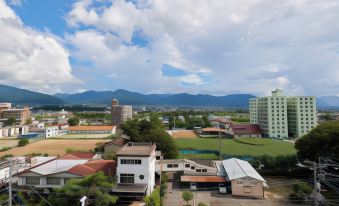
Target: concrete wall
[{"x": 247, "y": 187}]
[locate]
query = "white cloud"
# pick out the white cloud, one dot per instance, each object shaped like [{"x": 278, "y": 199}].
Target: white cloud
[
  {"x": 243, "y": 45},
  {"x": 30, "y": 58}
]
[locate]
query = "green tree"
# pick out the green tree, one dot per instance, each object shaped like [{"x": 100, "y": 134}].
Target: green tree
[
  {"x": 73, "y": 121},
  {"x": 29, "y": 121},
  {"x": 151, "y": 131},
  {"x": 23, "y": 142},
  {"x": 10, "y": 121},
  {"x": 187, "y": 196},
  {"x": 96, "y": 187},
  {"x": 154, "y": 198},
  {"x": 322, "y": 141},
  {"x": 202, "y": 204}
]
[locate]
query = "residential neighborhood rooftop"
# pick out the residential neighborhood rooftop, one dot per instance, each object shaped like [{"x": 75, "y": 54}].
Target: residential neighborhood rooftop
[{"x": 136, "y": 149}]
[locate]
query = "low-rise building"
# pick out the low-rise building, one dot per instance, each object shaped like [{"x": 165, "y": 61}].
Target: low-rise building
[
  {"x": 245, "y": 180},
  {"x": 21, "y": 115},
  {"x": 92, "y": 129},
  {"x": 136, "y": 169},
  {"x": 111, "y": 147},
  {"x": 245, "y": 130},
  {"x": 57, "y": 171},
  {"x": 52, "y": 131}
]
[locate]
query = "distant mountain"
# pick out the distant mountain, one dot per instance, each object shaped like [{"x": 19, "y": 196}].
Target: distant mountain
[
  {"x": 134, "y": 98},
  {"x": 23, "y": 96},
  {"x": 328, "y": 101}
]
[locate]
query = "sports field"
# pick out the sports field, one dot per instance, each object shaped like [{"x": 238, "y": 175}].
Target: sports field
[
  {"x": 54, "y": 146},
  {"x": 241, "y": 147},
  {"x": 183, "y": 134}
]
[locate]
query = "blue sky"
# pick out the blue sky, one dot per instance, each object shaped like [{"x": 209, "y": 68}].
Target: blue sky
[{"x": 218, "y": 47}]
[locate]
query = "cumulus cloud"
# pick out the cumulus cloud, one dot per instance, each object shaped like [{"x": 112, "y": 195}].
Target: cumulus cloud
[
  {"x": 29, "y": 58},
  {"x": 243, "y": 45}
]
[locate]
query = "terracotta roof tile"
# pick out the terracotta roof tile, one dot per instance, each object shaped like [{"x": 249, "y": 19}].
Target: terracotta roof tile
[
  {"x": 203, "y": 179},
  {"x": 91, "y": 128},
  {"x": 119, "y": 141},
  {"x": 78, "y": 155},
  {"x": 246, "y": 129}
]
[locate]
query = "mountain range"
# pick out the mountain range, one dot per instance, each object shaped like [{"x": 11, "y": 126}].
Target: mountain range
[{"x": 23, "y": 96}]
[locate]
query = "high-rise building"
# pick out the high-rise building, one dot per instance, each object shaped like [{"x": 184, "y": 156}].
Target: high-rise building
[
  {"x": 282, "y": 117},
  {"x": 120, "y": 113},
  {"x": 270, "y": 113}
]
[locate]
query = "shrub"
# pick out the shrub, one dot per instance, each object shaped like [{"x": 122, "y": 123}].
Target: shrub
[
  {"x": 23, "y": 142},
  {"x": 202, "y": 204},
  {"x": 187, "y": 196},
  {"x": 5, "y": 156},
  {"x": 154, "y": 198},
  {"x": 5, "y": 149}
]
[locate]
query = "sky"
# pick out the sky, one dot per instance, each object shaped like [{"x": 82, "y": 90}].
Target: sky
[{"x": 213, "y": 47}]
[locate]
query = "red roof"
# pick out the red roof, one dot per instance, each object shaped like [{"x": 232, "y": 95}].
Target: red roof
[
  {"x": 246, "y": 129},
  {"x": 93, "y": 166},
  {"x": 203, "y": 179},
  {"x": 78, "y": 155}
]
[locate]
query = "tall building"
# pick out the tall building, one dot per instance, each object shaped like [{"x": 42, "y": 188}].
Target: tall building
[
  {"x": 270, "y": 113},
  {"x": 282, "y": 117},
  {"x": 302, "y": 115},
  {"x": 21, "y": 115},
  {"x": 120, "y": 113}
]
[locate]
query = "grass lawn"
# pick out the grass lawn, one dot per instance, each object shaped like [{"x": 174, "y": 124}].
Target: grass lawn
[{"x": 257, "y": 146}]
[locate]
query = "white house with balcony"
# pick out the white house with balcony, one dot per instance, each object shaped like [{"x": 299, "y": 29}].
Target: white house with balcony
[{"x": 136, "y": 169}]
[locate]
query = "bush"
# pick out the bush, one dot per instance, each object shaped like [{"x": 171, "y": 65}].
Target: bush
[
  {"x": 187, "y": 196},
  {"x": 154, "y": 198},
  {"x": 73, "y": 121},
  {"x": 5, "y": 149},
  {"x": 202, "y": 204},
  {"x": 302, "y": 187},
  {"x": 6, "y": 156},
  {"x": 23, "y": 142}
]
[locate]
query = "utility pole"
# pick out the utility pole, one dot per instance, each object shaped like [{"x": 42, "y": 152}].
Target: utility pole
[
  {"x": 315, "y": 183},
  {"x": 219, "y": 141},
  {"x": 10, "y": 183}
]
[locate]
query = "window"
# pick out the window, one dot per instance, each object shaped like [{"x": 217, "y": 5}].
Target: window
[
  {"x": 198, "y": 170},
  {"x": 130, "y": 162},
  {"x": 187, "y": 165},
  {"x": 172, "y": 165},
  {"x": 204, "y": 170},
  {"x": 53, "y": 181},
  {"x": 141, "y": 177},
  {"x": 33, "y": 180},
  {"x": 126, "y": 178}
]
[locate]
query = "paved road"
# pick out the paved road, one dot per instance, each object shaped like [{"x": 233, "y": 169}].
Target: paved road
[{"x": 173, "y": 198}]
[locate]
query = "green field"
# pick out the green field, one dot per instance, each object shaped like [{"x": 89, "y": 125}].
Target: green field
[{"x": 242, "y": 147}]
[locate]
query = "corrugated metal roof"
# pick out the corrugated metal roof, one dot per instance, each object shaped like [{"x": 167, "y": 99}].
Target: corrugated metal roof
[
  {"x": 236, "y": 168},
  {"x": 57, "y": 166}
]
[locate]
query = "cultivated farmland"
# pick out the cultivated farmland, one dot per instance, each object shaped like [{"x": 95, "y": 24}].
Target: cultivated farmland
[{"x": 54, "y": 146}]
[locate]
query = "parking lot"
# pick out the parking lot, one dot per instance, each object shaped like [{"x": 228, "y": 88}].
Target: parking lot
[{"x": 213, "y": 198}]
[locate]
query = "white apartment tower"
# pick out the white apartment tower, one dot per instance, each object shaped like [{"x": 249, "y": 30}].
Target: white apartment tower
[
  {"x": 282, "y": 117},
  {"x": 270, "y": 113}
]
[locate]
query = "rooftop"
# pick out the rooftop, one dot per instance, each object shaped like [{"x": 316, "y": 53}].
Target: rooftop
[
  {"x": 121, "y": 141},
  {"x": 236, "y": 168},
  {"x": 212, "y": 129},
  {"x": 91, "y": 128},
  {"x": 136, "y": 149},
  {"x": 203, "y": 179},
  {"x": 246, "y": 129}
]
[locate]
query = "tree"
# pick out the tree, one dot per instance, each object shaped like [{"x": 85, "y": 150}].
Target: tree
[
  {"x": 154, "y": 198},
  {"x": 29, "y": 121},
  {"x": 96, "y": 187},
  {"x": 202, "y": 204},
  {"x": 73, "y": 121},
  {"x": 151, "y": 131},
  {"x": 23, "y": 142},
  {"x": 10, "y": 121},
  {"x": 187, "y": 196},
  {"x": 322, "y": 141}
]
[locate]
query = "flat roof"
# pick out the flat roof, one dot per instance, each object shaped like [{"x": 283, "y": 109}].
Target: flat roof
[
  {"x": 136, "y": 149},
  {"x": 203, "y": 179}
]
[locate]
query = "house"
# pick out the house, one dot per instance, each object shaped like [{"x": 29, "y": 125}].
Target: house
[
  {"x": 245, "y": 180},
  {"x": 245, "y": 130},
  {"x": 111, "y": 147},
  {"x": 92, "y": 129},
  {"x": 212, "y": 132},
  {"x": 135, "y": 170},
  {"x": 57, "y": 171},
  {"x": 51, "y": 131}
]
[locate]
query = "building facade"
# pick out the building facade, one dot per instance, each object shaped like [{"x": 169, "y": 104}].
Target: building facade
[
  {"x": 281, "y": 116},
  {"x": 120, "y": 113},
  {"x": 20, "y": 115},
  {"x": 136, "y": 166}
]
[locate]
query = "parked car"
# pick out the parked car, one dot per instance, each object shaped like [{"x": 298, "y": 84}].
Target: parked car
[
  {"x": 222, "y": 188},
  {"x": 193, "y": 186}
]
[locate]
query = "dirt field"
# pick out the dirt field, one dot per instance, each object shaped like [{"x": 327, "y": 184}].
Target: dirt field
[
  {"x": 54, "y": 146},
  {"x": 183, "y": 134},
  {"x": 8, "y": 143}
]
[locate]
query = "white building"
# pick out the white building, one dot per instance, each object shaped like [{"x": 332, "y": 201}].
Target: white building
[
  {"x": 282, "y": 117},
  {"x": 136, "y": 168},
  {"x": 52, "y": 131}
]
